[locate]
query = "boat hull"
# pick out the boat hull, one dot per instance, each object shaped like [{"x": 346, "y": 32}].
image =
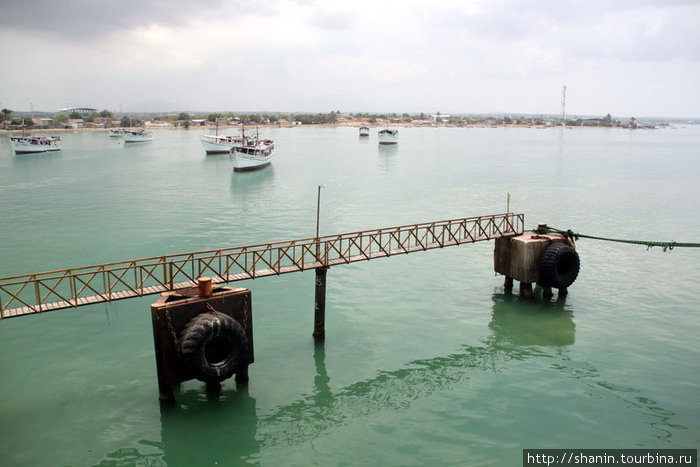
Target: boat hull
[
  {"x": 137, "y": 140},
  {"x": 23, "y": 150},
  {"x": 245, "y": 166},
  {"x": 29, "y": 145},
  {"x": 251, "y": 158},
  {"x": 219, "y": 144},
  {"x": 388, "y": 137},
  {"x": 137, "y": 137}
]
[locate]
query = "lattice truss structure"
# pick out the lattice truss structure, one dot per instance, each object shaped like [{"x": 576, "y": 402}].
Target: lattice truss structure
[{"x": 66, "y": 288}]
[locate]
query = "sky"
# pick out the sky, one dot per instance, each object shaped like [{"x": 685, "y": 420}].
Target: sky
[{"x": 629, "y": 58}]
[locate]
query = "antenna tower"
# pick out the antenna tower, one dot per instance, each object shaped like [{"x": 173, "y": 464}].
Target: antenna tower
[{"x": 563, "y": 106}]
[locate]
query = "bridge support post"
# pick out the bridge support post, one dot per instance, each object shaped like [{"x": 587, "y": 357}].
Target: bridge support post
[
  {"x": 508, "y": 284},
  {"x": 320, "y": 304},
  {"x": 526, "y": 290},
  {"x": 547, "y": 292}
]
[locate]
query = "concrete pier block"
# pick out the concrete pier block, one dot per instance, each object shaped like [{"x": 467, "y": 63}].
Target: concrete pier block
[{"x": 519, "y": 257}]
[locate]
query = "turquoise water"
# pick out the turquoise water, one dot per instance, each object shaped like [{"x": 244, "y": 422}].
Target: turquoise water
[{"x": 426, "y": 362}]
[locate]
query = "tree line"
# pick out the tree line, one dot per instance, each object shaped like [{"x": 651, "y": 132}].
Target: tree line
[{"x": 107, "y": 118}]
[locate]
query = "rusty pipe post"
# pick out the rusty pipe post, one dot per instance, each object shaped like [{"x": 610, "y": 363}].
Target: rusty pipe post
[
  {"x": 204, "y": 286},
  {"x": 320, "y": 304},
  {"x": 318, "y": 217}
]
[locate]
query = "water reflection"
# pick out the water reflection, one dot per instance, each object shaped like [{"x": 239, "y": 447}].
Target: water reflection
[
  {"x": 218, "y": 158},
  {"x": 208, "y": 429},
  {"x": 19, "y": 160},
  {"x": 134, "y": 456},
  {"x": 204, "y": 430},
  {"x": 517, "y": 335},
  {"x": 560, "y": 152},
  {"x": 387, "y": 155},
  {"x": 522, "y": 322},
  {"x": 387, "y": 149},
  {"x": 322, "y": 390},
  {"x": 247, "y": 186},
  {"x": 521, "y": 330}
]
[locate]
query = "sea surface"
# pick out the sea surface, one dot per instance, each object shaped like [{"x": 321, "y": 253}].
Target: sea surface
[{"x": 427, "y": 360}]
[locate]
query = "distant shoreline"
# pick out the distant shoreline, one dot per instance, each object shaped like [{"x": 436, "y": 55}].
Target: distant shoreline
[{"x": 322, "y": 125}]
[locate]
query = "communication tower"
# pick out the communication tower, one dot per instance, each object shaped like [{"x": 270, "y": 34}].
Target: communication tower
[{"x": 563, "y": 106}]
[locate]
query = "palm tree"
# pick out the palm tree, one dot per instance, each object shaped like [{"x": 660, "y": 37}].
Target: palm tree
[{"x": 5, "y": 115}]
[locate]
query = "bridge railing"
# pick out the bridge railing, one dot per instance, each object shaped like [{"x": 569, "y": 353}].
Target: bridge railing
[{"x": 34, "y": 293}]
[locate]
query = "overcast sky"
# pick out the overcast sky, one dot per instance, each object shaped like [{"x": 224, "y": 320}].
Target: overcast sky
[{"x": 623, "y": 57}]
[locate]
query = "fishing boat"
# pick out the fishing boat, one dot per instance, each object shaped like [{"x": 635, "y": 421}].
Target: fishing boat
[
  {"x": 29, "y": 144},
  {"x": 252, "y": 153},
  {"x": 388, "y": 136},
  {"x": 137, "y": 136},
  {"x": 214, "y": 144},
  {"x": 117, "y": 132},
  {"x": 364, "y": 131}
]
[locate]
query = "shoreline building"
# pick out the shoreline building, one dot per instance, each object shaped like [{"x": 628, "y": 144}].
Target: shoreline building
[{"x": 83, "y": 111}]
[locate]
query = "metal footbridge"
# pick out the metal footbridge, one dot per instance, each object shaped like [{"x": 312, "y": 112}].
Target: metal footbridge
[{"x": 29, "y": 294}]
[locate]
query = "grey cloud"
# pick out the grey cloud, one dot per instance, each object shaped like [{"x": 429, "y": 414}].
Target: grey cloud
[
  {"x": 86, "y": 19},
  {"x": 336, "y": 21},
  {"x": 621, "y": 30}
]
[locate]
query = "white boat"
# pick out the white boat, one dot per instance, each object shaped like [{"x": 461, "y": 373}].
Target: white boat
[
  {"x": 214, "y": 144},
  {"x": 117, "y": 132},
  {"x": 28, "y": 144},
  {"x": 364, "y": 131},
  {"x": 137, "y": 136},
  {"x": 388, "y": 136},
  {"x": 252, "y": 153}
]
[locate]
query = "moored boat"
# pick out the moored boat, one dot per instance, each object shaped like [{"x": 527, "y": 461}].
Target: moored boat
[
  {"x": 388, "y": 136},
  {"x": 364, "y": 131},
  {"x": 214, "y": 144},
  {"x": 137, "y": 136},
  {"x": 29, "y": 144},
  {"x": 252, "y": 153},
  {"x": 117, "y": 132}
]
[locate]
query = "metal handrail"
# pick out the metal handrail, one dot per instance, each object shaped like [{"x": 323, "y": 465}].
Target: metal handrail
[{"x": 65, "y": 288}]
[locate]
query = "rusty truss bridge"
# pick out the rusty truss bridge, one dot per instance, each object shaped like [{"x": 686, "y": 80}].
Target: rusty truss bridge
[{"x": 46, "y": 291}]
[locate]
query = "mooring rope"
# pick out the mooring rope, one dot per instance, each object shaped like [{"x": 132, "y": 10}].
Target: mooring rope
[{"x": 664, "y": 245}]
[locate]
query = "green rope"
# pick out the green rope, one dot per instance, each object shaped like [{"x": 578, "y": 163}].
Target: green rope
[{"x": 665, "y": 245}]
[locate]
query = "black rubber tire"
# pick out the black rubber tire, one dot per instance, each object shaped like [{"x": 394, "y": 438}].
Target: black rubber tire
[
  {"x": 559, "y": 266},
  {"x": 213, "y": 346}
]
